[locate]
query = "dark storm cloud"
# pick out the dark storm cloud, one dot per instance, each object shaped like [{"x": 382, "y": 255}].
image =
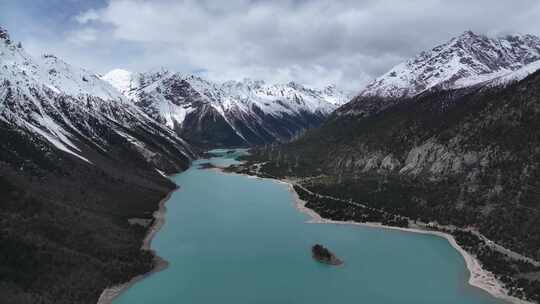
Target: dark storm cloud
[{"x": 315, "y": 42}]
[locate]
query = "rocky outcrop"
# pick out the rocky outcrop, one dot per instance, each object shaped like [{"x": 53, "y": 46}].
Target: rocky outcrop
[{"x": 323, "y": 255}]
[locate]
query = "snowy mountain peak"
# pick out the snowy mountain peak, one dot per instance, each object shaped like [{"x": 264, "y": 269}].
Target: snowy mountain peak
[
  {"x": 242, "y": 92},
  {"x": 71, "y": 108},
  {"x": 254, "y": 83},
  {"x": 120, "y": 79},
  {"x": 4, "y": 35},
  {"x": 468, "y": 35},
  {"x": 465, "y": 60},
  {"x": 252, "y": 111},
  {"x": 51, "y": 73}
]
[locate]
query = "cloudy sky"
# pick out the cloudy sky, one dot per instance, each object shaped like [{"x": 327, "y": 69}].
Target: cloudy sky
[{"x": 315, "y": 42}]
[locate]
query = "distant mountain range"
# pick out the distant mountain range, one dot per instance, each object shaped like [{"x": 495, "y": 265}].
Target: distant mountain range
[
  {"x": 450, "y": 136},
  {"x": 234, "y": 113}
]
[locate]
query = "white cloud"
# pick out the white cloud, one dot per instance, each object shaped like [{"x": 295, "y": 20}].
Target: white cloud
[
  {"x": 82, "y": 36},
  {"x": 315, "y": 42},
  {"x": 87, "y": 16}
]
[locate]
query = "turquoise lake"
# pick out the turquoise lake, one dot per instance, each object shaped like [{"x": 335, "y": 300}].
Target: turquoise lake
[{"x": 234, "y": 239}]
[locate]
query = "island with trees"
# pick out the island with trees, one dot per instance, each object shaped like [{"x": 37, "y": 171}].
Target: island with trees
[{"x": 323, "y": 255}]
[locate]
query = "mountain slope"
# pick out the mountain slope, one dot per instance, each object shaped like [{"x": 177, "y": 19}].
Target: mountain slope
[
  {"x": 464, "y": 156},
  {"x": 229, "y": 114},
  {"x": 474, "y": 164},
  {"x": 64, "y": 105},
  {"x": 464, "y": 61},
  {"x": 78, "y": 161}
]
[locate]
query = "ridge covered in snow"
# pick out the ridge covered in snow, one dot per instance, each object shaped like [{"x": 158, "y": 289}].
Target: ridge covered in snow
[
  {"x": 464, "y": 61},
  {"x": 70, "y": 107},
  {"x": 251, "y": 109},
  {"x": 515, "y": 76},
  {"x": 241, "y": 94}
]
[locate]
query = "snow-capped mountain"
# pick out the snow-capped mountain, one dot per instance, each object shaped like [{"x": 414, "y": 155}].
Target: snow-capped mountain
[
  {"x": 233, "y": 113},
  {"x": 122, "y": 80},
  {"x": 78, "y": 162},
  {"x": 466, "y": 60},
  {"x": 58, "y": 106}
]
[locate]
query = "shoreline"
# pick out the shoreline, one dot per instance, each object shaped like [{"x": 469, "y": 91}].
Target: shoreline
[
  {"x": 478, "y": 277},
  {"x": 110, "y": 293}
]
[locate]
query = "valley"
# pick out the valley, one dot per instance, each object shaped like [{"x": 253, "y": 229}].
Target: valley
[
  {"x": 248, "y": 226},
  {"x": 445, "y": 143},
  {"x": 84, "y": 167}
]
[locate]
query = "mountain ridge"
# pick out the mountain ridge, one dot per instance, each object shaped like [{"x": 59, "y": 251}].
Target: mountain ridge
[
  {"x": 464, "y": 157},
  {"x": 77, "y": 162},
  {"x": 244, "y": 112},
  {"x": 463, "y": 61},
  {"x": 29, "y": 82}
]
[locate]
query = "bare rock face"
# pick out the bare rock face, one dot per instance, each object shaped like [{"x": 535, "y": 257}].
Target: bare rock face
[{"x": 323, "y": 255}]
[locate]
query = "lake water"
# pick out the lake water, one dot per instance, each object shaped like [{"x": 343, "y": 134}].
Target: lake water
[{"x": 238, "y": 240}]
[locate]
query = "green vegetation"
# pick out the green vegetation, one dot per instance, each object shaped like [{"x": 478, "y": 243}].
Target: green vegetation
[
  {"x": 476, "y": 163},
  {"x": 64, "y": 231}
]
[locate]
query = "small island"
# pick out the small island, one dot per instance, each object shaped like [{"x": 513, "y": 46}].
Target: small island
[
  {"x": 207, "y": 166},
  {"x": 323, "y": 255}
]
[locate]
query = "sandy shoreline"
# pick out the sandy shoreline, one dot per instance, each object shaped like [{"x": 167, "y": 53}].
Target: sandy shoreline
[
  {"x": 109, "y": 294},
  {"x": 479, "y": 277}
]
